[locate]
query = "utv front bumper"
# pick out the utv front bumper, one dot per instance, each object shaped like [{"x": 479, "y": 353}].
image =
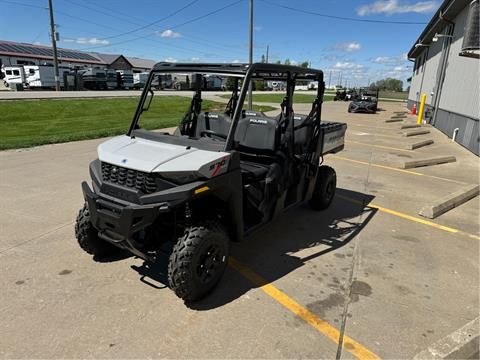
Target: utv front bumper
[{"x": 118, "y": 223}]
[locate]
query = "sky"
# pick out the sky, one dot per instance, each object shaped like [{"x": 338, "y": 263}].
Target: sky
[{"x": 370, "y": 44}]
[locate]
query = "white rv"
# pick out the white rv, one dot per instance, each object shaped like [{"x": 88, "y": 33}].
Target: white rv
[
  {"x": 125, "y": 79},
  {"x": 13, "y": 75},
  {"x": 41, "y": 76}
]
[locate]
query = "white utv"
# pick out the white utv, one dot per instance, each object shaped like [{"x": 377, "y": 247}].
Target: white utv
[{"x": 219, "y": 177}]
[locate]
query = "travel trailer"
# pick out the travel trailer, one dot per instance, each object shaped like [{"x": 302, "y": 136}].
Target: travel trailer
[
  {"x": 125, "y": 79},
  {"x": 42, "y": 77},
  {"x": 111, "y": 78},
  {"x": 94, "y": 79},
  {"x": 139, "y": 80}
]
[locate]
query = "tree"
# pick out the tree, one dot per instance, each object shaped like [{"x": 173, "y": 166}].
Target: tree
[
  {"x": 287, "y": 62},
  {"x": 304, "y": 64},
  {"x": 230, "y": 83},
  {"x": 389, "y": 84},
  {"x": 258, "y": 85},
  {"x": 263, "y": 59},
  {"x": 278, "y": 62}
]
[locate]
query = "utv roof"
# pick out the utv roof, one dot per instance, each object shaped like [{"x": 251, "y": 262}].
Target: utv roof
[{"x": 259, "y": 70}]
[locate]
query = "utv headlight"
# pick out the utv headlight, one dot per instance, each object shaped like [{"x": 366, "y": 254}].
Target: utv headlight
[{"x": 181, "y": 177}]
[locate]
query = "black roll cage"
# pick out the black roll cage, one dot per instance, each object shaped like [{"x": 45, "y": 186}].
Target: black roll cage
[{"x": 262, "y": 71}]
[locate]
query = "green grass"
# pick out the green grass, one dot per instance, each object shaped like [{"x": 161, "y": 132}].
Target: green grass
[
  {"x": 278, "y": 98},
  {"x": 393, "y": 95},
  {"x": 28, "y": 123}
]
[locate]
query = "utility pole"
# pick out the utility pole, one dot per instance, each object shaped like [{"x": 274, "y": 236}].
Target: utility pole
[
  {"x": 250, "y": 55},
  {"x": 329, "y": 79},
  {"x": 340, "y": 82},
  {"x": 54, "y": 46},
  {"x": 266, "y": 60}
]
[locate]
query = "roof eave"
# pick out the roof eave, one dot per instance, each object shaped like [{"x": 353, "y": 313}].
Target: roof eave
[{"x": 449, "y": 9}]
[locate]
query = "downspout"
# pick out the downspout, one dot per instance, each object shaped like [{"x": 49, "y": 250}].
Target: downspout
[{"x": 443, "y": 65}]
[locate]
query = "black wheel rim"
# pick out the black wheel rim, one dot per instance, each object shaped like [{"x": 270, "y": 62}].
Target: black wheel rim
[{"x": 211, "y": 261}]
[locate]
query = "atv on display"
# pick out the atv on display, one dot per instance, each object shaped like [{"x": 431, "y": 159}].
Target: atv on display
[
  {"x": 340, "y": 95},
  {"x": 365, "y": 102},
  {"x": 218, "y": 178}
]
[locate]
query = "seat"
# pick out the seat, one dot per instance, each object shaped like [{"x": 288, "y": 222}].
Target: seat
[
  {"x": 214, "y": 121},
  {"x": 257, "y": 141},
  {"x": 251, "y": 113},
  {"x": 257, "y": 135},
  {"x": 252, "y": 172}
]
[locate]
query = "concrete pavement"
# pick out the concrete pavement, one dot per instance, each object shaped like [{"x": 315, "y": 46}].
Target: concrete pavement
[{"x": 375, "y": 273}]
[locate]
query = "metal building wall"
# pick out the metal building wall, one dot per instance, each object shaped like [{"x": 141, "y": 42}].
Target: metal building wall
[
  {"x": 459, "y": 103},
  {"x": 415, "y": 84},
  {"x": 460, "y": 90}
]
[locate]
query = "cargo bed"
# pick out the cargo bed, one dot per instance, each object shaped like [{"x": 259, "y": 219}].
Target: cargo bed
[{"x": 332, "y": 136}]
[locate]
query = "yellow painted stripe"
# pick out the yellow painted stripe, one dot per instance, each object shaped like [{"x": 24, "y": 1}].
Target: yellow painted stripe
[
  {"x": 379, "y": 146},
  {"x": 395, "y": 169},
  {"x": 411, "y": 218},
  {"x": 352, "y": 346}
]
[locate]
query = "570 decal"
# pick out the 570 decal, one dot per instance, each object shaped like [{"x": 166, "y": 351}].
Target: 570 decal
[{"x": 216, "y": 166}]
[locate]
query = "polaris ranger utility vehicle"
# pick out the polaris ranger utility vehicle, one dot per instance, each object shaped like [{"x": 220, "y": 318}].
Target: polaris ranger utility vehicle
[{"x": 219, "y": 177}]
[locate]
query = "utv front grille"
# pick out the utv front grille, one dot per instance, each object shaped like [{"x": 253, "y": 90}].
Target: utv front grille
[{"x": 142, "y": 181}]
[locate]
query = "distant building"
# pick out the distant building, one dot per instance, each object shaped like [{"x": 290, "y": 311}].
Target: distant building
[
  {"x": 446, "y": 69},
  {"x": 13, "y": 53}
]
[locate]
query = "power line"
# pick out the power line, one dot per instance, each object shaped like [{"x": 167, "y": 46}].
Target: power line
[
  {"x": 184, "y": 36},
  {"x": 171, "y": 27},
  {"x": 143, "y": 37},
  {"x": 24, "y": 4},
  {"x": 342, "y": 17},
  {"x": 141, "y": 27}
]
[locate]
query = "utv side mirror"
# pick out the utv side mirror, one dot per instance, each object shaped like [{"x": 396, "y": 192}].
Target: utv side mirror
[{"x": 148, "y": 100}]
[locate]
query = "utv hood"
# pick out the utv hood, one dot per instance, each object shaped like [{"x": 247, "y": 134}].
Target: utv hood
[{"x": 153, "y": 156}]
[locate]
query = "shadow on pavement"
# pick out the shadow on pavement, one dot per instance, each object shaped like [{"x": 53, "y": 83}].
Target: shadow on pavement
[{"x": 270, "y": 251}]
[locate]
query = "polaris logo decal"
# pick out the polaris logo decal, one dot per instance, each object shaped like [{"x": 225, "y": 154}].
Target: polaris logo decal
[
  {"x": 250, "y": 114},
  {"x": 213, "y": 116},
  {"x": 258, "y": 121}
]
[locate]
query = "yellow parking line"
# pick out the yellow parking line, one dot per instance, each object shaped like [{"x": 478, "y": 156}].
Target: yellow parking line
[
  {"x": 395, "y": 169},
  {"x": 379, "y": 146},
  {"x": 352, "y": 346},
  {"x": 411, "y": 218}
]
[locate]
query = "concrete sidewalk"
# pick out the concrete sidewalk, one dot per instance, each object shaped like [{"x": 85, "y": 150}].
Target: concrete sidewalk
[{"x": 394, "y": 284}]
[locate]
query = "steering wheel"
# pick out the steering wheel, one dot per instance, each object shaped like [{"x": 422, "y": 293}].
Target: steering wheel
[{"x": 211, "y": 133}]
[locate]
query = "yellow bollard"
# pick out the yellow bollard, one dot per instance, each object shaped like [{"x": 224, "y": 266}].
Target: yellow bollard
[{"x": 422, "y": 107}]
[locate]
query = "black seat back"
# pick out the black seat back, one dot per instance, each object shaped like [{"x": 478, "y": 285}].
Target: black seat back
[
  {"x": 257, "y": 135},
  {"x": 218, "y": 122},
  {"x": 303, "y": 132},
  {"x": 251, "y": 113}
]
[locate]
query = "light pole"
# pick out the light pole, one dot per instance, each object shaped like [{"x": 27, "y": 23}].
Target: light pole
[
  {"x": 250, "y": 55},
  {"x": 54, "y": 46}
]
